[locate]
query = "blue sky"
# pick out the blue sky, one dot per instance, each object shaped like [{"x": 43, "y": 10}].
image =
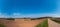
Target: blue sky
[{"x": 29, "y": 8}]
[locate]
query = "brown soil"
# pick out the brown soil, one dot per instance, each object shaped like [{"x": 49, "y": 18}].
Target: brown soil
[{"x": 21, "y": 22}]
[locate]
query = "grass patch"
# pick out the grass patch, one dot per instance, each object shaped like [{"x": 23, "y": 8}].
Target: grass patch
[
  {"x": 43, "y": 24},
  {"x": 10, "y": 19},
  {"x": 33, "y": 19},
  {"x": 36, "y": 18},
  {"x": 2, "y": 25}
]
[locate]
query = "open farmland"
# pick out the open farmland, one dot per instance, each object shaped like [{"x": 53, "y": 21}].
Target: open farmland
[
  {"x": 20, "y": 22},
  {"x": 30, "y": 22}
]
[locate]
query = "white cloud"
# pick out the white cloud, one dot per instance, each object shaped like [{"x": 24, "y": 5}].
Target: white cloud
[
  {"x": 19, "y": 15},
  {"x": 42, "y": 15},
  {"x": 16, "y": 14},
  {"x": 3, "y": 15}
]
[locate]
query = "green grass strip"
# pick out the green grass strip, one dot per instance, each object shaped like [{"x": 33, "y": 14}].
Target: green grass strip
[{"x": 43, "y": 24}]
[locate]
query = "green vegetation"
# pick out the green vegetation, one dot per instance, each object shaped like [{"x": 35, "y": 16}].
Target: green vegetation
[
  {"x": 36, "y": 18},
  {"x": 2, "y": 25},
  {"x": 10, "y": 18},
  {"x": 56, "y": 20},
  {"x": 33, "y": 19},
  {"x": 43, "y": 24}
]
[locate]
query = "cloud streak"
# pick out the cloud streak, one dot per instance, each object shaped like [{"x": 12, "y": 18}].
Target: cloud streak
[{"x": 19, "y": 15}]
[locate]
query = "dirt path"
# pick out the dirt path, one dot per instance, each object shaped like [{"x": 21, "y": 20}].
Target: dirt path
[{"x": 52, "y": 23}]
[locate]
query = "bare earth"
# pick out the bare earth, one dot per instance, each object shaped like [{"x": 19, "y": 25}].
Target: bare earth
[
  {"x": 52, "y": 23},
  {"x": 21, "y": 22}
]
